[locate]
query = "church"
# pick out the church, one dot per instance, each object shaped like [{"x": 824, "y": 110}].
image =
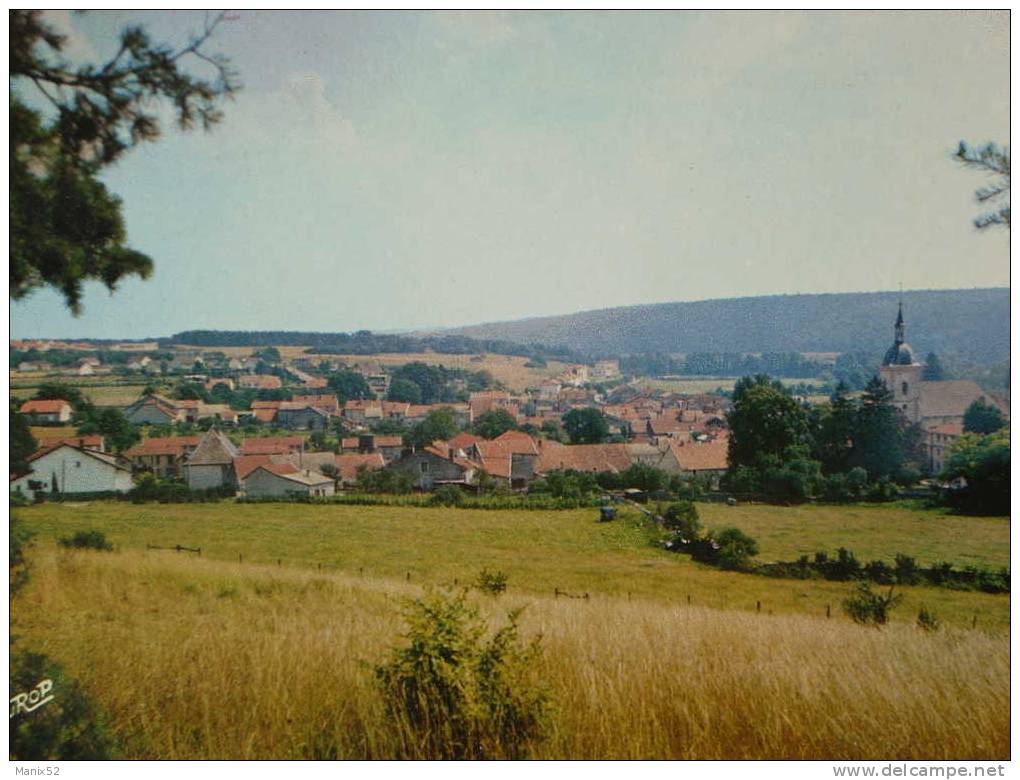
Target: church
[{"x": 938, "y": 407}]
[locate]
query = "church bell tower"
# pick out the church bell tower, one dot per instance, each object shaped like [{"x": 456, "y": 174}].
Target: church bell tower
[{"x": 901, "y": 373}]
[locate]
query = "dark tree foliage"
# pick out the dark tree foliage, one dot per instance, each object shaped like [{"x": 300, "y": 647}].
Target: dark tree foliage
[
  {"x": 493, "y": 424},
  {"x": 66, "y": 227},
  {"x": 438, "y": 425},
  {"x": 878, "y": 446},
  {"x": 349, "y": 386},
  {"x": 933, "y": 369},
  {"x": 993, "y": 161},
  {"x": 982, "y": 417},
  {"x": 585, "y": 426},
  {"x": 983, "y": 464},
  {"x": 364, "y": 342},
  {"x": 404, "y": 390},
  {"x": 112, "y": 425},
  {"x": 23, "y": 443},
  {"x": 834, "y": 430},
  {"x": 765, "y": 421}
]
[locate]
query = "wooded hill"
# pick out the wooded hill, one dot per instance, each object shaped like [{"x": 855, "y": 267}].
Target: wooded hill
[{"x": 973, "y": 324}]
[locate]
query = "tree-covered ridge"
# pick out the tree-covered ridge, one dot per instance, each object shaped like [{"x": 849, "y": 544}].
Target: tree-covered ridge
[
  {"x": 365, "y": 342},
  {"x": 969, "y": 323}
]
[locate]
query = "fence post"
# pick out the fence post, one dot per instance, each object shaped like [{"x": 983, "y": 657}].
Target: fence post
[
  {"x": 239, "y": 559},
  {"x": 409, "y": 576},
  {"x": 688, "y": 599},
  {"x": 178, "y": 548},
  {"x": 279, "y": 561},
  {"x": 973, "y": 623},
  {"x": 557, "y": 592},
  {"x": 828, "y": 611},
  {"x": 758, "y": 607}
]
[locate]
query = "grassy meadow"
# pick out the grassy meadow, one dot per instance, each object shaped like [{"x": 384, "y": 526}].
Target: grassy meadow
[{"x": 271, "y": 656}]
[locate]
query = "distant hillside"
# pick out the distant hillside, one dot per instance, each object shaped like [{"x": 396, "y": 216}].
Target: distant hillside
[{"x": 970, "y": 323}]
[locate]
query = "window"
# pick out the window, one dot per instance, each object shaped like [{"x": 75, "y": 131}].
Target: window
[
  {"x": 904, "y": 388},
  {"x": 77, "y": 464},
  {"x": 424, "y": 467}
]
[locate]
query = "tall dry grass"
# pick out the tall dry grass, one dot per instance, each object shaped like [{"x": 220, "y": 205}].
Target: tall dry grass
[{"x": 205, "y": 659}]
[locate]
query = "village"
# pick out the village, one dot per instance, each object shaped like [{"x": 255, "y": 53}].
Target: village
[
  {"x": 297, "y": 437},
  {"x": 266, "y": 450}
]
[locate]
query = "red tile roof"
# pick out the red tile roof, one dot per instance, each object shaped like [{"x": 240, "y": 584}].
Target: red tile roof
[
  {"x": 39, "y": 406},
  {"x": 701, "y": 456},
  {"x": 164, "y": 445},
  {"x": 271, "y": 444},
  {"x": 348, "y": 463},
  {"x": 583, "y": 457}
]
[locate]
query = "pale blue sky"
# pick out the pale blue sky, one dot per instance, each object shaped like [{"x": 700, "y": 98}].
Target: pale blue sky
[{"x": 393, "y": 170}]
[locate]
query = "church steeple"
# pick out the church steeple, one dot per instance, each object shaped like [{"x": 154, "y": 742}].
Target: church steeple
[
  {"x": 900, "y": 327},
  {"x": 900, "y": 353}
]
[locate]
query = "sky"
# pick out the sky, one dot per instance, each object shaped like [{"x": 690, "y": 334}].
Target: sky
[{"x": 395, "y": 171}]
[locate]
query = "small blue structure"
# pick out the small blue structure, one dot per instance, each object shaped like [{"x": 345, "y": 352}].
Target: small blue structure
[{"x": 607, "y": 513}]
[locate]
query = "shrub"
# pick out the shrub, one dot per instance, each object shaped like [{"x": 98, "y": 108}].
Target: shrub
[
  {"x": 447, "y": 495},
  {"x": 453, "y": 694},
  {"x": 926, "y": 620},
  {"x": 69, "y": 727},
  {"x": 879, "y": 572},
  {"x": 869, "y": 608},
  {"x": 86, "y": 540},
  {"x": 906, "y": 570},
  {"x": 735, "y": 548},
  {"x": 682, "y": 519},
  {"x": 491, "y": 582}
]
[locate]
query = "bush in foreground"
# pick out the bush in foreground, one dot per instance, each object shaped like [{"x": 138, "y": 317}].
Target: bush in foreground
[
  {"x": 453, "y": 694},
  {"x": 67, "y": 727},
  {"x": 866, "y": 607}
]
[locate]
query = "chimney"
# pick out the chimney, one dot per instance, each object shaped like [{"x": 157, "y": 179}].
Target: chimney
[{"x": 450, "y": 452}]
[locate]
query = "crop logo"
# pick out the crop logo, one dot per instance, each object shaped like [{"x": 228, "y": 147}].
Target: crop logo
[{"x": 33, "y": 700}]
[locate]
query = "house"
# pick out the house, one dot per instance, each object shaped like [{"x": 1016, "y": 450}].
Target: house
[
  {"x": 390, "y": 447},
  {"x": 259, "y": 382},
  {"x": 301, "y": 416},
  {"x": 701, "y": 458},
  {"x": 606, "y": 369},
  {"x": 326, "y": 402},
  {"x": 226, "y": 381},
  {"x": 359, "y": 411},
  {"x": 590, "y": 458},
  {"x": 575, "y": 375},
  {"x": 211, "y": 465},
  {"x": 162, "y": 456},
  {"x": 282, "y": 480},
  {"x": 93, "y": 442},
  {"x": 549, "y": 391},
  {"x": 37, "y": 365},
  {"x": 348, "y": 463},
  {"x": 272, "y": 445},
  {"x": 153, "y": 409},
  {"x": 69, "y": 469},
  {"x": 940, "y": 440},
  {"x": 54, "y": 411},
  {"x": 512, "y": 456},
  {"x": 431, "y": 467}
]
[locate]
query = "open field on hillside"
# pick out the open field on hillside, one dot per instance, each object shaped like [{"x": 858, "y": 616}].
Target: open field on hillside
[
  {"x": 102, "y": 390},
  {"x": 699, "y": 384},
  {"x": 544, "y": 550},
  {"x": 508, "y": 369},
  {"x": 870, "y": 531},
  {"x": 200, "y": 658}
]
